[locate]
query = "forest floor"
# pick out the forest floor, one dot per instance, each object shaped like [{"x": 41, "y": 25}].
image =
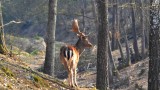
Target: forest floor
[
  {"x": 17, "y": 75},
  {"x": 20, "y": 73},
  {"x": 134, "y": 77}
]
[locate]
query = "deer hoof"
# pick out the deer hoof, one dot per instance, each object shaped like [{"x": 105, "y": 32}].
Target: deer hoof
[
  {"x": 72, "y": 86},
  {"x": 76, "y": 84}
]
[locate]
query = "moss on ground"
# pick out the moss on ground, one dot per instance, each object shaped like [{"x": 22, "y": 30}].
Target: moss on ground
[
  {"x": 39, "y": 82},
  {"x": 7, "y": 71}
]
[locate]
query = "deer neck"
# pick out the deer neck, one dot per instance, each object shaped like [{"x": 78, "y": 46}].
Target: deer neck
[{"x": 80, "y": 47}]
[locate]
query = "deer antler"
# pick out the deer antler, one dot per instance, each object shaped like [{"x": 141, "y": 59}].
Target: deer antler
[{"x": 75, "y": 28}]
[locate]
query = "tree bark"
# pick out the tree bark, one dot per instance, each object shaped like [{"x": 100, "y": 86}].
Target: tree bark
[
  {"x": 128, "y": 60},
  {"x": 114, "y": 25},
  {"x": 112, "y": 69},
  {"x": 94, "y": 9},
  {"x": 154, "y": 48},
  {"x": 117, "y": 35},
  {"x": 111, "y": 64},
  {"x": 143, "y": 32},
  {"x": 135, "y": 43},
  {"x": 83, "y": 14},
  {"x": 3, "y": 48},
  {"x": 50, "y": 38},
  {"x": 118, "y": 31},
  {"x": 120, "y": 49},
  {"x": 102, "y": 51}
]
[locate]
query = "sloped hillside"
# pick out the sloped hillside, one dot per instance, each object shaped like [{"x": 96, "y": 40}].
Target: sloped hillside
[{"x": 16, "y": 75}]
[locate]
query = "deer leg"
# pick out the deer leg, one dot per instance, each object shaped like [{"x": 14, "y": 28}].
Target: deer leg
[
  {"x": 75, "y": 78},
  {"x": 69, "y": 79},
  {"x": 72, "y": 83}
]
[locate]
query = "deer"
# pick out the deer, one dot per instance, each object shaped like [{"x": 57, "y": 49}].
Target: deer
[{"x": 69, "y": 54}]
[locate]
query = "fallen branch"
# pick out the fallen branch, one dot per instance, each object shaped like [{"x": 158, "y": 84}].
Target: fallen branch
[{"x": 17, "y": 22}]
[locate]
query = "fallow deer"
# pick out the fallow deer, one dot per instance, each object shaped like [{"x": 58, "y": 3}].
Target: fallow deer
[{"x": 69, "y": 54}]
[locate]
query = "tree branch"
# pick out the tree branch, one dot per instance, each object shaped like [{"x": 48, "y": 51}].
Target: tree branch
[{"x": 16, "y": 22}]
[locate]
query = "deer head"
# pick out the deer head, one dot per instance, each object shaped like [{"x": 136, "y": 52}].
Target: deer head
[{"x": 83, "y": 39}]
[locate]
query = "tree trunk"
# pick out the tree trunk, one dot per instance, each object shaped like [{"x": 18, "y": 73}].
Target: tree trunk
[
  {"x": 147, "y": 25},
  {"x": 114, "y": 25},
  {"x": 102, "y": 51},
  {"x": 146, "y": 37},
  {"x": 3, "y": 48},
  {"x": 143, "y": 32},
  {"x": 83, "y": 13},
  {"x": 135, "y": 44},
  {"x": 154, "y": 48},
  {"x": 128, "y": 60},
  {"x": 147, "y": 28},
  {"x": 118, "y": 31},
  {"x": 50, "y": 38},
  {"x": 111, "y": 65},
  {"x": 94, "y": 9},
  {"x": 120, "y": 49}
]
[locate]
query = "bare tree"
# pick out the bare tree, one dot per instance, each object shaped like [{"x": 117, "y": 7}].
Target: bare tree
[
  {"x": 117, "y": 35},
  {"x": 83, "y": 13},
  {"x": 114, "y": 24},
  {"x": 102, "y": 51},
  {"x": 143, "y": 28},
  {"x": 50, "y": 38},
  {"x": 111, "y": 64},
  {"x": 134, "y": 32},
  {"x": 94, "y": 10},
  {"x": 154, "y": 48},
  {"x": 128, "y": 60},
  {"x": 112, "y": 69},
  {"x": 3, "y": 48}
]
